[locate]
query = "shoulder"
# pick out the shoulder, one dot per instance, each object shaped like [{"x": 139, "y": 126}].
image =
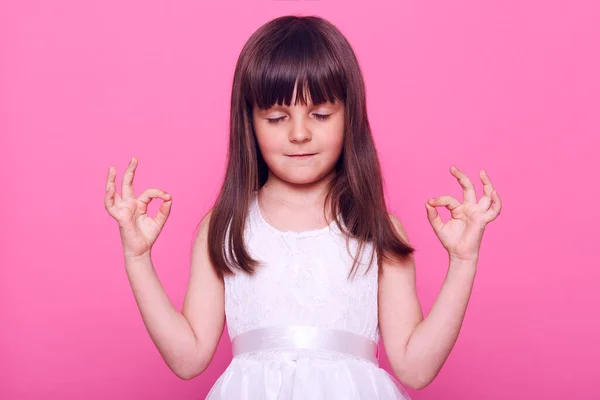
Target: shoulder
[
  {"x": 400, "y": 230},
  {"x": 206, "y": 219},
  {"x": 201, "y": 240},
  {"x": 202, "y": 229},
  {"x": 394, "y": 261}
]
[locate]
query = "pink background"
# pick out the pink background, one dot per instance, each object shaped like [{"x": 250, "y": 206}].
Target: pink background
[{"x": 507, "y": 86}]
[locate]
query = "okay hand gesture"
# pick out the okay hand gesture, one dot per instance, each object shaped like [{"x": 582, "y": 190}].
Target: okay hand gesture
[
  {"x": 461, "y": 235},
  {"x": 138, "y": 230}
]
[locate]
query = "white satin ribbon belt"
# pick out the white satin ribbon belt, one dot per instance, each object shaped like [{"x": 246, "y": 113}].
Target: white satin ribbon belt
[{"x": 306, "y": 338}]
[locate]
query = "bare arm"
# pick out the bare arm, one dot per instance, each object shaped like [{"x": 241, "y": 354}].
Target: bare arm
[
  {"x": 417, "y": 347},
  {"x": 186, "y": 340},
  {"x": 433, "y": 339}
]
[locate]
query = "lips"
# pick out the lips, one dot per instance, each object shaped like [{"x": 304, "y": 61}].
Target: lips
[{"x": 301, "y": 155}]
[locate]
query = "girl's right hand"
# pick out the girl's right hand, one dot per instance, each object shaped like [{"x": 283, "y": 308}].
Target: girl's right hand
[{"x": 138, "y": 230}]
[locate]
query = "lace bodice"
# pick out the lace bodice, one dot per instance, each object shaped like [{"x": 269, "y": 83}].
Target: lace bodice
[{"x": 302, "y": 280}]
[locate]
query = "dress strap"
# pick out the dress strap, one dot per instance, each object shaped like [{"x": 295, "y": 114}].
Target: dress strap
[{"x": 305, "y": 338}]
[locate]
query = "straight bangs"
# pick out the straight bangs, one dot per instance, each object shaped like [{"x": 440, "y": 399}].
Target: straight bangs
[{"x": 301, "y": 58}]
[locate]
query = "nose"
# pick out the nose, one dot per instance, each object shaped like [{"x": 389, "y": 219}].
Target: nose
[{"x": 300, "y": 133}]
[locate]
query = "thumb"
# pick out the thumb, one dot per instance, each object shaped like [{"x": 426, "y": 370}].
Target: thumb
[
  {"x": 164, "y": 211},
  {"x": 434, "y": 217}
]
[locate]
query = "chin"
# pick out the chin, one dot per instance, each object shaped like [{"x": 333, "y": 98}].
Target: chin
[{"x": 300, "y": 177}]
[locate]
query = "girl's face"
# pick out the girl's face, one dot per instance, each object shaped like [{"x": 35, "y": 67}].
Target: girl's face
[{"x": 300, "y": 144}]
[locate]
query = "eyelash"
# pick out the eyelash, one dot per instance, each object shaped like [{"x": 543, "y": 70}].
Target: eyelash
[{"x": 275, "y": 121}]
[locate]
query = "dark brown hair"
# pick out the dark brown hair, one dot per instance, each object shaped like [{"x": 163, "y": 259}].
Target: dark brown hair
[{"x": 312, "y": 53}]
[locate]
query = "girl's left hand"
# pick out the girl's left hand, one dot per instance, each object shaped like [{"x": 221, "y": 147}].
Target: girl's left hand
[{"x": 461, "y": 235}]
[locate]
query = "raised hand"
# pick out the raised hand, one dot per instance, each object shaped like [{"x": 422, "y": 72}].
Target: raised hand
[
  {"x": 138, "y": 230},
  {"x": 461, "y": 235}
]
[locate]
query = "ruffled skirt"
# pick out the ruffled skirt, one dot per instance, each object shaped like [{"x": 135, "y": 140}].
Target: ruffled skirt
[{"x": 275, "y": 376}]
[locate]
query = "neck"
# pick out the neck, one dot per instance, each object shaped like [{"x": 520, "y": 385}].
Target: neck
[{"x": 293, "y": 195}]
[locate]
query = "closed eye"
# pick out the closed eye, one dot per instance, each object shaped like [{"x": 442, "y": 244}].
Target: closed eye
[
  {"x": 320, "y": 117},
  {"x": 275, "y": 120}
]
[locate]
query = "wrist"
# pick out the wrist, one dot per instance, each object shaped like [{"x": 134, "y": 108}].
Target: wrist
[
  {"x": 463, "y": 263},
  {"x": 142, "y": 259}
]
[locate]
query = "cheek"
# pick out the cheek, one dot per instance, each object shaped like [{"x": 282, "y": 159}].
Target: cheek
[
  {"x": 270, "y": 149},
  {"x": 268, "y": 144},
  {"x": 334, "y": 142}
]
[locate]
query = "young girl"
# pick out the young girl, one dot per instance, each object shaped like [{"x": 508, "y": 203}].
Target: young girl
[{"x": 299, "y": 253}]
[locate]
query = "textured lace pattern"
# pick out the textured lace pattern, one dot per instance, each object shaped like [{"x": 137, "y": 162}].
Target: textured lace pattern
[{"x": 302, "y": 280}]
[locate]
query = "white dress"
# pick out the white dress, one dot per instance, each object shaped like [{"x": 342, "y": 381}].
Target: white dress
[{"x": 299, "y": 328}]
